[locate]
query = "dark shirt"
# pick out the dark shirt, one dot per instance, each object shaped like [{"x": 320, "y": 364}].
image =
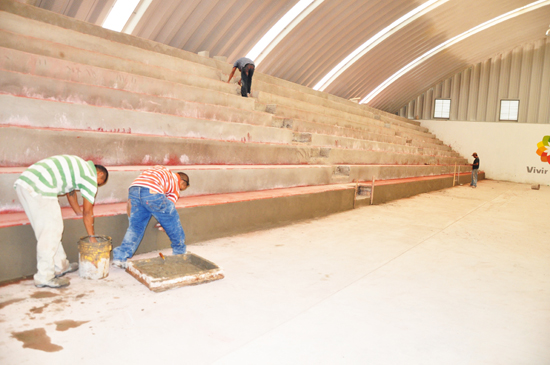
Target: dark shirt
[
  {"x": 241, "y": 62},
  {"x": 474, "y": 166}
]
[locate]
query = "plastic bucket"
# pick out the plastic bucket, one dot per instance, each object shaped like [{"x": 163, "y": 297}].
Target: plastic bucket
[{"x": 94, "y": 257}]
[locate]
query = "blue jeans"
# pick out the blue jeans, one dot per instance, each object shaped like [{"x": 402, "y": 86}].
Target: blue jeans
[
  {"x": 474, "y": 178},
  {"x": 145, "y": 205}
]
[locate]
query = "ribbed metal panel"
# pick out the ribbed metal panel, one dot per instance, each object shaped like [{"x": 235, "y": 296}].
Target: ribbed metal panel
[
  {"x": 91, "y": 11},
  {"x": 522, "y": 73}
]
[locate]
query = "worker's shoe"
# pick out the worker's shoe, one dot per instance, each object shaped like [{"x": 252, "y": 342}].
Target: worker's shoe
[
  {"x": 120, "y": 264},
  {"x": 55, "y": 283},
  {"x": 71, "y": 268}
]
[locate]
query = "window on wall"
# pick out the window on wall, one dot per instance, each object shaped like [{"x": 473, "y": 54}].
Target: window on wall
[
  {"x": 442, "y": 108},
  {"x": 509, "y": 109}
]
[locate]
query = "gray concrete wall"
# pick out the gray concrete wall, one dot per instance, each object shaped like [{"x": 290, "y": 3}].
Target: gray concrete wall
[
  {"x": 386, "y": 193},
  {"x": 18, "y": 244}
]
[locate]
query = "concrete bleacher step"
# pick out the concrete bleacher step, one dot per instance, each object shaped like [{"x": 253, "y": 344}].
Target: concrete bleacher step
[
  {"x": 22, "y": 146},
  {"x": 77, "y": 55},
  {"x": 206, "y": 179},
  {"x": 312, "y": 122},
  {"x": 103, "y": 34},
  {"x": 38, "y": 87},
  {"x": 366, "y": 123},
  {"x": 283, "y": 111},
  {"x": 332, "y": 115},
  {"x": 24, "y": 111},
  {"x": 365, "y": 109},
  {"x": 352, "y": 143},
  {"x": 269, "y": 88},
  {"x": 63, "y": 70},
  {"x": 89, "y": 45},
  {"x": 306, "y": 126}
]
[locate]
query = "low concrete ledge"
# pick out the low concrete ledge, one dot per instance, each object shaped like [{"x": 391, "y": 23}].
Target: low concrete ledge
[
  {"x": 109, "y": 210},
  {"x": 240, "y": 178},
  {"x": 203, "y": 218},
  {"x": 209, "y": 217},
  {"x": 388, "y": 190}
]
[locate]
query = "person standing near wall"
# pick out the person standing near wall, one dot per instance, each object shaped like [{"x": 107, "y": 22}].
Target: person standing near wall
[
  {"x": 246, "y": 66},
  {"x": 475, "y": 168},
  {"x": 153, "y": 193},
  {"x": 37, "y": 189}
]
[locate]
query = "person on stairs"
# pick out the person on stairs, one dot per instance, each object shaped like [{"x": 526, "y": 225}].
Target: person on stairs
[
  {"x": 37, "y": 189},
  {"x": 475, "y": 169},
  {"x": 246, "y": 66},
  {"x": 153, "y": 193}
]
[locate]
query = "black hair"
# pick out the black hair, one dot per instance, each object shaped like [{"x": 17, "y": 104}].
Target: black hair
[
  {"x": 104, "y": 170},
  {"x": 184, "y": 177}
]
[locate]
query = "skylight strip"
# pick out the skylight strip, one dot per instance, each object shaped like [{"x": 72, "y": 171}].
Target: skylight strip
[
  {"x": 292, "y": 18},
  {"x": 452, "y": 41},
  {"x": 375, "y": 40},
  {"x": 136, "y": 16},
  {"x": 119, "y": 14}
]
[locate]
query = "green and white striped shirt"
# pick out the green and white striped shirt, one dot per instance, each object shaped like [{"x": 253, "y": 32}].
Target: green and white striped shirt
[{"x": 58, "y": 175}]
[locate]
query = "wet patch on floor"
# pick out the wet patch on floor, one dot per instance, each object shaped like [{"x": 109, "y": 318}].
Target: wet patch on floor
[
  {"x": 36, "y": 339},
  {"x": 37, "y": 310},
  {"x": 68, "y": 324},
  {"x": 11, "y": 301},
  {"x": 43, "y": 294},
  {"x": 15, "y": 281}
]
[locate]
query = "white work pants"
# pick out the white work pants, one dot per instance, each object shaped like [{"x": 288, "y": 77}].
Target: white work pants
[{"x": 47, "y": 223}]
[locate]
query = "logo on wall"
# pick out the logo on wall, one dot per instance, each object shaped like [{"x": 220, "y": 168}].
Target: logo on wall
[{"x": 544, "y": 149}]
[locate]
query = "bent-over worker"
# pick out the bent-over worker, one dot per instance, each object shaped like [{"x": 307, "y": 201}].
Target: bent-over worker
[
  {"x": 246, "y": 66},
  {"x": 153, "y": 193},
  {"x": 37, "y": 189}
]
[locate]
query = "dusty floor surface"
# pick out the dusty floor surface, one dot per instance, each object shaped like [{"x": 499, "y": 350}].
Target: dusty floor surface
[{"x": 459, "y": 276}]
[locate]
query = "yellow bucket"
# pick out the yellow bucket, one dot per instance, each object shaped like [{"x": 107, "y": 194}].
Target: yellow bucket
[{"x": 94, "y": 257}]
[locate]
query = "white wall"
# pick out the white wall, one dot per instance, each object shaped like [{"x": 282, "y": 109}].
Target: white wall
[
  {"x": 506, "y": 150},
  {"x": 522, "y": 73}
]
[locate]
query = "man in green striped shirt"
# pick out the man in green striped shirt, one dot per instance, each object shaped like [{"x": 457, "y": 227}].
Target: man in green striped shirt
[{"x": 38, "y": 188}]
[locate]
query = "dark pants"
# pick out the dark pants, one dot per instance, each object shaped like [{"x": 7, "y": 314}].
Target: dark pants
[{"x": 246, "y": 79}]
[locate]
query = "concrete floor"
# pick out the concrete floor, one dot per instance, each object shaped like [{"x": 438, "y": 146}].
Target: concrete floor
[{"x": 459, "y": 276}]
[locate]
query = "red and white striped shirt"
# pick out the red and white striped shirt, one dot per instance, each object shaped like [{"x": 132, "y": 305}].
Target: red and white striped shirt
[{"x": 160, "y": 180}]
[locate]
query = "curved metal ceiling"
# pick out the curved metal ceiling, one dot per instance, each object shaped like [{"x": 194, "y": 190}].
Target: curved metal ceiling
[{"x": 333, "y": 30}]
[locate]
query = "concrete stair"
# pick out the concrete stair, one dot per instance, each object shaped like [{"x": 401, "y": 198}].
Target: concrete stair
[
  {"x": 289, "y": 153},
  {"x": 244, "y": 178},
  {"x": 34, "y": 64},
  {"x": 122, "y": 148}
]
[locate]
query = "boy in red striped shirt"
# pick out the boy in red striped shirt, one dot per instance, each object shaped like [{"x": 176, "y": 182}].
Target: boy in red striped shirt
[{"x": 153, "y": 193}]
